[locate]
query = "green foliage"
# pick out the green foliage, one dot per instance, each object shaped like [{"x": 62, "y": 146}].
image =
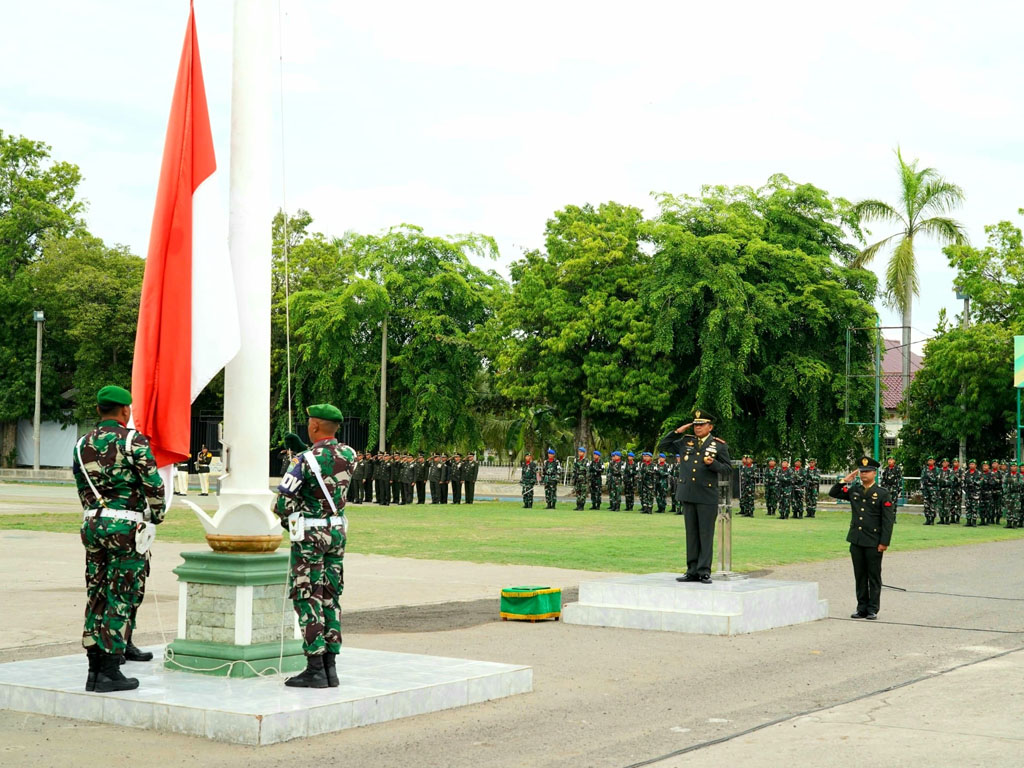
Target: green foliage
[
  {"x": 925, "y": 198},
  {"x": 576, "y": 334},
  {"x": 755, "y": 301},
  {"x": 36, "y": 198},
  {"x": 993, "y": 276},
  {"x": 964, "y": 386}
]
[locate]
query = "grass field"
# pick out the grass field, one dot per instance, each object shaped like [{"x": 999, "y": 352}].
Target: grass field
[{"x": 503, "y": 532}]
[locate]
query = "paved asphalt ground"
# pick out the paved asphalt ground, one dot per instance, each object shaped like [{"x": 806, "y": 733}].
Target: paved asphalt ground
[{"x": 938, "y": 680}]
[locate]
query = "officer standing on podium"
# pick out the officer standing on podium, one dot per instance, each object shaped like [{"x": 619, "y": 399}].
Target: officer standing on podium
[
  {"x": 704, "y": 459},
  {"x": 871, "y": 522}
]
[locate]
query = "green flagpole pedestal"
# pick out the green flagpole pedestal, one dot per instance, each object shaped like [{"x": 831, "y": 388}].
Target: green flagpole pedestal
[{"x": 233, "y": 611}]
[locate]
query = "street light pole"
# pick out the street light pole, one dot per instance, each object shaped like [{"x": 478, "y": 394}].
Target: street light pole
[{"x": 38, "y": 317}]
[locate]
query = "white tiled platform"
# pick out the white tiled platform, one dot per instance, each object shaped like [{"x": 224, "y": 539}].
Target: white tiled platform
[
  {"x": 658, "y": 601},
  {"x": 376, "y": 686}
]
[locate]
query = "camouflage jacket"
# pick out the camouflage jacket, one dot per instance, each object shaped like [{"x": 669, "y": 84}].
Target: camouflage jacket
[
  {"x": 552, "y": 471},
  {"x": 648, "y": 475},
  {"x": 748, "y": 476},
  {"x": 595, "y": 469},
  {"x": 630, "y": 470},
  {"x": 812, "y": 479},
  {"x": 614, "y": 474},
  {"x": 528, "y": 474},
  {"x": 299, "y": 490},
  {"x": 125, "y": 477}
]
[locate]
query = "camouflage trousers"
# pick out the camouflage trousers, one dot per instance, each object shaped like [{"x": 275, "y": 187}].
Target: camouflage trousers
[
  {"x": 956, "y": 506},
  {"x": 614, "y": 496},
  {"x": 785, "y": 502},
  {"x": 551, "y": 494},
  {"x": 113, "y": 570},
  {"x": 811, "y": 501},
  {"x": 972, "y": 511},
  {"x": 928, "y": 495},
  {"x": 595, "y": 495},
  {"x": 997, "y": 507},
  {"x": 747, "y": 501},
  {"x": 580, "y": 488},
  {"x": 662, "y": 497},
  {"x": 646, "y": 499},
  {"x": 984, "y": 509},
  {"x": 317, "y": 581},
  {"x": 628, "y": 494},
  {"x": 527, "y": 496},
  {"x": 771, "y": 499},
  {"x": 945, "y": 505}
]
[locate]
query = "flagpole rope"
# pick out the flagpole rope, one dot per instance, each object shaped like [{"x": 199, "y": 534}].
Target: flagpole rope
[{"x": 284, "y": 212}]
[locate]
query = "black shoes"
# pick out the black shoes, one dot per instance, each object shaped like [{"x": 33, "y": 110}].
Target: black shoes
[
  {"x": 330, "y": 669},
  {"x": 314, "y": 676},
  {"x": 688, "y": 577},
  {"x": 705, "y": 579},
  {"x": 131, "y": 653},
  {"x": 93, "y": 653},
  {"x": 859, "y": 615},
  {"x": 871, "y": 616},
  {"x": 108, "y": 675}
]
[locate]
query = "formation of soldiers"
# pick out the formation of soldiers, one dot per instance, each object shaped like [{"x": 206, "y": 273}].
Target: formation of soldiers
[
  {"x": 788, "y": 490},
  {"x": 984, "y": 496},
  {"x": 401, "y": 478}
]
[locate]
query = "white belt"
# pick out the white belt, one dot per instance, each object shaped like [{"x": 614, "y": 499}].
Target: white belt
[
  {"x": 135, "y": 517},
  {"x": 314, "y": 522}
]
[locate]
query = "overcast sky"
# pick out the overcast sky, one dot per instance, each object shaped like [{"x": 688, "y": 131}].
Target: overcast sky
[{"x": 487, "y": 117}]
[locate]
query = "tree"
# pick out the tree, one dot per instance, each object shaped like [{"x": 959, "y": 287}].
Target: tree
[
  {"x": 575, "y": 333},
  {"x": 36, "y": 199},
  {"x": 993, "y": 276},
  {"x": 925, "y": 198},
  {"x": 435, "y": 302},
  {"x": 755, "y": 298},
  {"x": 964, "y": 387}
]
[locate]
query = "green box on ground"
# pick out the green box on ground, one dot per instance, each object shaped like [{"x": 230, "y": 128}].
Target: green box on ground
[{"x": 531, "y": 603}]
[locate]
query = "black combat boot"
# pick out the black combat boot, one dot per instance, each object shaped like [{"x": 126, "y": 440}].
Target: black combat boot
[
  {"x": 132, "y": 653},
  {"x": 312, "y": 677},
  {"x": 93, "y": 654},
  {"x": 109, "y": 677},
  {"x": 330, "y": 669}
]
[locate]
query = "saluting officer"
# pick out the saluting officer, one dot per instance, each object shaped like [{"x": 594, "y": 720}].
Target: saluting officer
[
  {"x": 871, "y": 521},
  {"x": 705, "y": 458},
  {"x": 121, "y": 492}
]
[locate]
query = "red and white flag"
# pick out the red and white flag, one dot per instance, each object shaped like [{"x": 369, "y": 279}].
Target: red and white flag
[{"x": 188, "y": 318}]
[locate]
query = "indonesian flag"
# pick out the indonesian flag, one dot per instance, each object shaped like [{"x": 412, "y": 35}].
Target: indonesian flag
[{"x": 188, "y": 317}]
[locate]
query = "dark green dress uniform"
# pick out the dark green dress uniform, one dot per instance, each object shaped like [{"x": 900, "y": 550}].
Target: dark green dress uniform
[
  {"x": 368, "y": 470},
  {"x": 873, "y": 515},
  {"x": 355, "y": 487},
  {"x": 446, "y": 475},
  {"x": 421, "y": 479},
  {"x": 456, "y": 479},
  {"x": 470, "y": 472},
  {"x": 697, "y": 489},
  {"x": 434, "y": 477},
  {"x": 381, "y": 484}
]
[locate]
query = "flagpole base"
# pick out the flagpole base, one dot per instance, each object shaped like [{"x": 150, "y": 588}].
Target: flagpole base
[{"x": 243, "y": 544}]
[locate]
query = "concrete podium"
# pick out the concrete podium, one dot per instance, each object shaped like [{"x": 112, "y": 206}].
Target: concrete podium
[{"x": 658, "y": 601}]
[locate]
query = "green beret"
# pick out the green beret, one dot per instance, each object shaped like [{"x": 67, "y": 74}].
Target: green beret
[
  {"x": 115, "y": 395},
  {"x": 324, "y": 411}
]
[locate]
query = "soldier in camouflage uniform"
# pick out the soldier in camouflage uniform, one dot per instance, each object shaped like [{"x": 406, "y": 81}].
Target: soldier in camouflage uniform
[
  {"x": 985, "y": 509},
  {"x": 311, "y": 503},
  {"x": 551, "y": 474},
  {"x": 647, "y": 480},
  {"x": 930, "y": 490},
  {"x": 812, "y": 487},
  {"x": 945, "y": 491},
  {"x": 972, "y": 483},
  {"x": 528, "y": 479},
  {"x": 997, "y": 491},
  {"x": 674, "y": 477},
  {"x": 579, "y": 478},
  {"x": 595, "y": 471},
  {"x": 786, "y": 484},
  {"x": 121, "y": 492},
  {"x": 771, "y": 488},
  {"x": 1011, "y": 495},
  {"x": 892, "y": 479},
  {"x": 614, "y": 481},
  {"x": 748, "y": 486},
  {"x": 629, "y": 477},
  {"x": 661, "y": 493},
  {"x": 799, "y": 489},
  {"x": 956, "y": 505}
]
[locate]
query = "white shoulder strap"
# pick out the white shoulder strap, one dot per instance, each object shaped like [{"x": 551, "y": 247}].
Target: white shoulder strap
[
  {"x": 314, "y": 467},
  {"x": 81, "y": 465}
]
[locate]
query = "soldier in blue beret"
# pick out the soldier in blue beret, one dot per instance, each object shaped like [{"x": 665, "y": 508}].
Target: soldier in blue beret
[{"x": 595, "y": 472}]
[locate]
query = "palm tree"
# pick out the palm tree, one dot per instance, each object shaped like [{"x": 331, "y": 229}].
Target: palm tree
[{"x": 926, "y": 197}]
